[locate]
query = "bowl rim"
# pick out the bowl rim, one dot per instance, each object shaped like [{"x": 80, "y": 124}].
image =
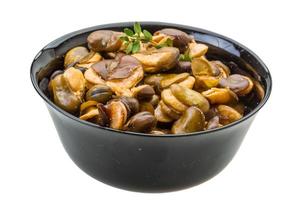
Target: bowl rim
[{"x": 67, "y": 36}]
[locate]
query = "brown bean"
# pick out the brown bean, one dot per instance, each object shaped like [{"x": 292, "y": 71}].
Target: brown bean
[
  {"x": 180, "y": 38},
  {"x": 99, "y": 93},
  {"x": 74, "y": 55},
  {"x": 125, "y": 76},
  {"x": 227, "y": 114},
  {"x": 222, "y": 68},
  {"x": 146, "y": 106},
  {"x": 160, "y": 116},
  {"x": 67, "y": 90},
  {"x": 192, "y": 120},
  {"x": 205, "y": 82},
  {"x": 117, "y": 114},
  {"x": 143, "y": 92},
  {"x": 240, "y": 84},
  {"x": 132, "y": 104},
  {"x": 170, "y": 100},
  {"x": 213, "y": 123},
  {"x": 182, "y": 66},
  {"x": 189, "y": 82},
  {"x": 157, "y": 60},
  {"x": 104, "y": 40},
  {"x": 189, "y": 97},
  {"x": 201, "y": 66},
  {"x": 169, "y": 111},
  {"x": 93, "y": 78},
  {"x": 154, "y": 100},
  {"x": 220, "y": 96},
  {"x": 142, "y": 122},
  {"x": 197, "y": 50},
  {"x": 173, "y": 78}
]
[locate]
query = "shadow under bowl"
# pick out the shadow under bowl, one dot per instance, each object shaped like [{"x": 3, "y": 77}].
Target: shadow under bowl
[{"x": 141, "y": 162}]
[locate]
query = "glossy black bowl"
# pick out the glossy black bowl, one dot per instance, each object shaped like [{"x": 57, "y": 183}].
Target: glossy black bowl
[{"x": 141, "y": 162}]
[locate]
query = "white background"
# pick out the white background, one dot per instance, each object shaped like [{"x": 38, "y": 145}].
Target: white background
[{"x": 33, "y": 163}]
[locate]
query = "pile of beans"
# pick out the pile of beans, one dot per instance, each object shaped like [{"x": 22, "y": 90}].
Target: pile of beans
[{"x": 161, "y": 87}]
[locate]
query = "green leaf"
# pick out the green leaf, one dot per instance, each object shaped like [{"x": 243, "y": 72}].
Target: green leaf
[
  {"x": 185, "y": 57},
  {"x": 137, "y": 28},
  {"x": 129, "y": 48},
  {"x": 124, "y": 38},
  {"x": 132, "y": 39},
  {"x": 136, "y": 47},
  {"x": 126, "y": 43},
  {"x": 148, "y": 35},
  {"x": 128, "y": 32},
  {"x": 169, "y": 42},
  {"x": 158, "y": 46},
  {"x": 181, "y": 57}
]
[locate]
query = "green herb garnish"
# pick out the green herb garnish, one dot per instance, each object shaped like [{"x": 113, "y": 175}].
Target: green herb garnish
[
  {"x": 148, "y": 35},
  {"x": 185, "y": 56},
  {"x": 167, "y": 43},
  {"x": 133, "y": 38}
]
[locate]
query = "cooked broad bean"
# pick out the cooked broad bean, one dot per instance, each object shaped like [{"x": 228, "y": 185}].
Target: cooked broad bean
[{"x": 192, "y": 120}]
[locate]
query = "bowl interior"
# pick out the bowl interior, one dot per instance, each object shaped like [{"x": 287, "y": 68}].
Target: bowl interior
[{"x": 50, "y": 58}]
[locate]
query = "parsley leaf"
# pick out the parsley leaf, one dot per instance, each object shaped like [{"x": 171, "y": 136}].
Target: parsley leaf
[
  {"x": 128, "y": 32},
  {"x": 185, "y": 57},
  {"x": 148, "y": 35},
  {"x": 129, "y": 48},
  {"x": 137, "y": 28},
  {"x": 167, "y": 43},
  {"x": 136, "y": 46},
  {"x": 133, "y": 38}
]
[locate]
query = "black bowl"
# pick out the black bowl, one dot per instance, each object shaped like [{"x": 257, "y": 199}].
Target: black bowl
[{"x": 141, "y": 162}]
